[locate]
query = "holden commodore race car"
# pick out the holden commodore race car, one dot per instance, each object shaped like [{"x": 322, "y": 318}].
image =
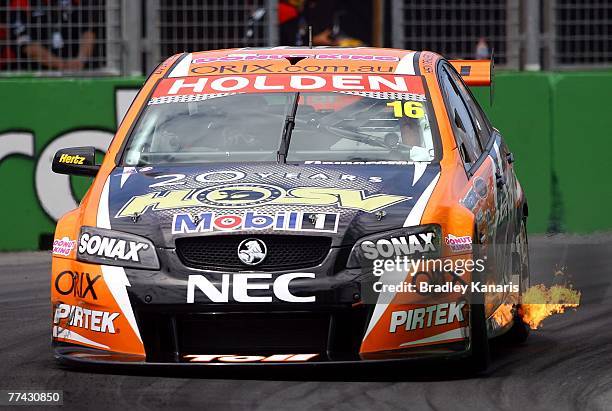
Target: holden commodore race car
[{"x": 282, "y": 206}]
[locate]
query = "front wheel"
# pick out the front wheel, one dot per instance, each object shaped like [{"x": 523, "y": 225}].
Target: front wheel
[
  {"x": 480, "y": 357},
  {"x": 520, "y": 259}
]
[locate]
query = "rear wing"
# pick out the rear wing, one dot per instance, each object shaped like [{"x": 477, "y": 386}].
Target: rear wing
[{"x": 475, "y": 72}]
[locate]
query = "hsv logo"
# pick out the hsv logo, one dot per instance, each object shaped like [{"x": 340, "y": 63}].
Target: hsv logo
[
  {"x": 399, "y": 246},
  {"x": 63, "y": 246},
  {"x": 111, "y": 247},
  {"x": 93, "y": 320},
  {"x": 237, "y": 195},
  {"x": 425, "y": 317},
  {"x": 249, "y": 196},
  {"x": 68, "y": 159},
  {"x": 80, "y": 285},
  {"x": 243, "y": 284},
  {"x": 458, "y": 244},
  {"x": 250, "y": 358}
]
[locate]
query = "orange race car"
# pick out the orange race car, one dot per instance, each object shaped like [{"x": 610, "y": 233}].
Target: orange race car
[{"x": 294, "y": 206}]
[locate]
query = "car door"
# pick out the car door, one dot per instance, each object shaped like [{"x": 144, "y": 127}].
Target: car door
[
  {"x": 480, "y": 149},
  {"x": 502, "y": 160}
]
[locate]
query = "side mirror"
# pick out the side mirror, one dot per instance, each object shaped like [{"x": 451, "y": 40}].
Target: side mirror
[{"x": 79, "y": 161}]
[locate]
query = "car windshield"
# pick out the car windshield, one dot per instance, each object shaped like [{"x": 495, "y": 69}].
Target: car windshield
[{"x": 329, "y": 126}]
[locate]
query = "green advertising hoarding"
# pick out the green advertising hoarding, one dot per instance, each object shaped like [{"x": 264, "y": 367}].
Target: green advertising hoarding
[{"x": 40, "y": 116}]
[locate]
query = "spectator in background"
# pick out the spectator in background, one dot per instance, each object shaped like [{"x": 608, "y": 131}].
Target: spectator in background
[
  {"x": 320, "y": 15},
  {"x": 323, "y": 16},
  {"x": 7, "y": 55},
  {"x": 295, "y": 16},
  {"x": 290, "y": 22},
  {"x": 52, "y": 34},
  {"x": 482, "y": 50}
]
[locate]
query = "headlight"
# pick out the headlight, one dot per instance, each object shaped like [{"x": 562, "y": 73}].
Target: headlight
[
  {"x": 409, "y": 242},
  {"x": 108, "y": 247}
]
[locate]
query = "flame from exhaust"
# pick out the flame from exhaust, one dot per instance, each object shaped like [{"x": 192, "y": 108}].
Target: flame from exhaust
[{"x": 540, "y": 302}]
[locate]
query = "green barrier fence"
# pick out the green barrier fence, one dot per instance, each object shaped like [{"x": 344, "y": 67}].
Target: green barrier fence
[
  {"x": 38, "y": 116},
  {"x": 557, "y": 126},
  {"x": 582, "y": 149},
  {"x": 521, "y": 113}
]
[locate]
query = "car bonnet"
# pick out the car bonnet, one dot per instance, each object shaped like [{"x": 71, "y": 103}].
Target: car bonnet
[{"x": 342, "y": 200}]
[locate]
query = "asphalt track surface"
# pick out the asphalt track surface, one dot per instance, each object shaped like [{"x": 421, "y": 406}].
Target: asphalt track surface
[{"x": 565, "y": 365}]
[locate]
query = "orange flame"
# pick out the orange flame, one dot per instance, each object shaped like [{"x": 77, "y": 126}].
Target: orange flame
[{"x": 540, "y": 303}]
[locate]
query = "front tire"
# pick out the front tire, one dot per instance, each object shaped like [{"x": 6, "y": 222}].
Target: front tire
[
  {"x": 520, "y": 331},
  {"x": 480, "y": 356}
]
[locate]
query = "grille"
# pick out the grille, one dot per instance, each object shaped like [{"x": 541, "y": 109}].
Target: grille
[
  {"x": 284, "y": 252},
  {"x": 168, "y": 334},
  {"x": 254, "y": 333}
]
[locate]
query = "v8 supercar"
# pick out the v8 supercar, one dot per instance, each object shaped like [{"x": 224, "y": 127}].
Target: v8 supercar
[{"x": 294, "y": 206}]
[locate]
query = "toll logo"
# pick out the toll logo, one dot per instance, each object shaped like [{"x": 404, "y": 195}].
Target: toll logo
[{"x": 250, "y": 358}]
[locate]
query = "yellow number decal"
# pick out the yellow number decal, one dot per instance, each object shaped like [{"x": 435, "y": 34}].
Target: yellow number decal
[
  {"x": 410, "y": 109},
  {"x": 397, "y": 108},
  {"x": 414, "y": 109}
]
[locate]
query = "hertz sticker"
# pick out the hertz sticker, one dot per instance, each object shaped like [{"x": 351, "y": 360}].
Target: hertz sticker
[
  {"x": 247, "y": 196},
  {"x": 68, "y": 159}
]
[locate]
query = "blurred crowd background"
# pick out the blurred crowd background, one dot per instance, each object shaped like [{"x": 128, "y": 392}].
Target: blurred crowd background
[{"x": 129, "y": 37}]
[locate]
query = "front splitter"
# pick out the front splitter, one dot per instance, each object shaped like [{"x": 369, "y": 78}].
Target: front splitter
[{"x": 77, "y": 357}]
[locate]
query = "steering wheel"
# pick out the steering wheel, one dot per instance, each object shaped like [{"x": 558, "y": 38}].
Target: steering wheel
[{"x": 238, "y": 137}]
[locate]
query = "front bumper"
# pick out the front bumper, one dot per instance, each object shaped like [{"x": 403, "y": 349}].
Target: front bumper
[{"x": 168, "y": 330}]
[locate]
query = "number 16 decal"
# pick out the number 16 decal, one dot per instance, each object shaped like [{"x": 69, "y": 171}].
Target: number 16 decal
[{"x": 412, "y": 109}]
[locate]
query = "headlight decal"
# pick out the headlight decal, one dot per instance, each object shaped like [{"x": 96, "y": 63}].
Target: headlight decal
[
  {"x": 101, "y": 246},
  {"x": 410, "y": 242},
  {"x": 109, "y": 247}
]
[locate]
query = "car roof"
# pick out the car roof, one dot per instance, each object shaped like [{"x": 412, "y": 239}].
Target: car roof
[{"x": 279, "y": 60}]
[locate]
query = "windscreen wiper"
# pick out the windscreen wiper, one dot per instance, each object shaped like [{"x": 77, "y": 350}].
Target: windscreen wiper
[{"x": 281, "y": 154}]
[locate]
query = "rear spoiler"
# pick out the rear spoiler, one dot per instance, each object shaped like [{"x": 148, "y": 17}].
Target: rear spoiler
[{"x": 477, "y": 73}]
